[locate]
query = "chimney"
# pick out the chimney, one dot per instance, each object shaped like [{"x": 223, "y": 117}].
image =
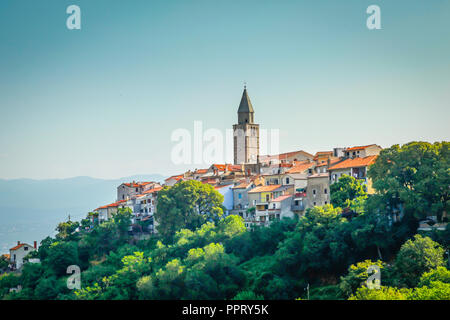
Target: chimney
[
  {"x": 35, "y": 244},
  {"x": 18, "y": 242}
]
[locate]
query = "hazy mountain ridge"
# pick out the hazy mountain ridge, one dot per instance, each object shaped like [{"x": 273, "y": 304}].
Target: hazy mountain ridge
[{"x": 30, "y": 209}]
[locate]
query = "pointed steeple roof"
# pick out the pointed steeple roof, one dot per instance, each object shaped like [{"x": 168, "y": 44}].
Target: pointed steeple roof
[{"x": 245, "y": 106}]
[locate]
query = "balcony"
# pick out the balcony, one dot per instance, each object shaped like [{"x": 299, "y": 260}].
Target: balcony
[{"x": 299, "y": 207}]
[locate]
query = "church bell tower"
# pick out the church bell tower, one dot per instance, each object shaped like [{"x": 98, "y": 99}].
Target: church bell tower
[{"x": 246, "y": 133}]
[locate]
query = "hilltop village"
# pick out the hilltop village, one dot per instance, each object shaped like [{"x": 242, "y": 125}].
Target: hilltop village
[
  {"x": 264, "y": 227},
  {"x": 259, "y": 188}
]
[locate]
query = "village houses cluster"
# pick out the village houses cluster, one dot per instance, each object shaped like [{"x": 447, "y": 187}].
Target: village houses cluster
[{"x": 259, "y": 188}]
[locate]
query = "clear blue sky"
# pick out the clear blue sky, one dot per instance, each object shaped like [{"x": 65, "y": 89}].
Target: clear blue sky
[{"x": 103, "y": 101}]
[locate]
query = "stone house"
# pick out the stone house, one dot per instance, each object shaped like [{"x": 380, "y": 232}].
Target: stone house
[{"x": 318, "y": 190}]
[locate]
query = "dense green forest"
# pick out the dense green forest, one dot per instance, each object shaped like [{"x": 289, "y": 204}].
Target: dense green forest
[{"x": 202, "y": 254}]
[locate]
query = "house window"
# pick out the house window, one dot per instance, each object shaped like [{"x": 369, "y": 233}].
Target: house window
[
  {"x": 325, "y": 191},
  {"x": 267, "y": 197},
  {"x": 25, "y": 248},
  {"x": 287, "y": 180},
  {"x": 326, "y": 202},
  {"x": 240, "y": 195},
  {"x": 296, "y": 202},
  {"x": 314, "y": 191},
  {"x": 136, "y": 189},
  {"x": 314, "y": 203},
  {"x": 14, "y": 257}
]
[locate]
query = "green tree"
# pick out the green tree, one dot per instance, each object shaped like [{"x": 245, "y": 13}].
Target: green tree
[
  {"x": 441, "y": 274},
  {"x": 384, "y": 293},
  {"x": 415, "y": 176},
  {"x": 436, "y": 290},
  {"x": 60, "y": 256},
  {"x": 247, "y": 295},
  {"x": 4, "y": 262},
  {"x": 416, "y": 257},
  {"x": 357, "y": 276},
  {"x": 66, "y": 230},
  {"x": 187, "y": 205},
  {"x": 346, "y": 190}
]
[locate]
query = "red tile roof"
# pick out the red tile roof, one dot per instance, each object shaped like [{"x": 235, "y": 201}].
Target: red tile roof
[
  {"x": 228, "y": 167},
  {"x": 7, "y": 256},
  {"x": 156, "y": 189},
  {"x": 293, "y": 153},
  {"x": 243, "y": 185},
  {"x": 320, "y": 153},
  {"x": 201, "y": 171},
  {"x": 220, "y": 167},
  {"x": 281, "y": 198},
  {"x": 284, "y": 156},
  {"x": 136, "y": 184},
  {"x": 359, "y": 147},
  {"x": 210, "y": 181},
  {"x": 326, "y": 162},
  {"x": 19, "y": 246},
  {"x": 234, "y": 167},
  {"x": 265, "y": 188},
  {"x": 300, "y": 167},
  {"x": 111, "y": 205},
  {"x": 177, "y": 177},
  {"x": 354, "y": 163}
]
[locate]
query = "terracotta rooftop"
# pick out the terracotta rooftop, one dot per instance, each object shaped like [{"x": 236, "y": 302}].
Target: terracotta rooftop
[
  {"x": 152, "y": 190},
  {"x": 283, "y": 156},
  {"x": 136, "y": 184},
  {"x": 281, "y": 198},
  {"x": 19, "y": 246},
  {"x": 176, "y": 177},
  {"x": 354, "y": 163},
  {"x": 111, "y": 205},
  {"x": 359, "y": 147},
  {"x": 301, "y": 167},
  {"x": 265, "y": 188},
  {"x": 333, "y": 161},
  {"x": 228, "y": 167},
  {"x": 243, "y": 185}
]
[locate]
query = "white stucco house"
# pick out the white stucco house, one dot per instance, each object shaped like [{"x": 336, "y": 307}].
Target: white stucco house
[{"x": 19, "y": 252}]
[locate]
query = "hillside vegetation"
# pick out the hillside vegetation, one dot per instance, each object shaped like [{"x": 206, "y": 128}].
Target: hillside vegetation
[{"x": 201, "y": 254}]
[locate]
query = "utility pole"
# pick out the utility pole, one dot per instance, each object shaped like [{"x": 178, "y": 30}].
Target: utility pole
[{"x": 307, "y": 290}]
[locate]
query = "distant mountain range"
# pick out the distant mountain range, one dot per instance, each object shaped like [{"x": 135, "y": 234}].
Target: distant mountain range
[{"x": 31, "y": 209}]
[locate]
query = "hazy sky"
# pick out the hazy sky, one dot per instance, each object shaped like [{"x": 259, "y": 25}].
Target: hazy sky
[{"x": 103, "y": 101}]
